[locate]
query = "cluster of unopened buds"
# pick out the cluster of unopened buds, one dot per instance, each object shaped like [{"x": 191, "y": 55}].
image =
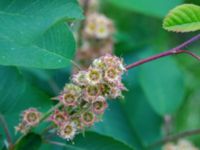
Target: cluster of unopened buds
[
  {"x": 181, "y": 145},
  {"x": 84, "y": 100}
]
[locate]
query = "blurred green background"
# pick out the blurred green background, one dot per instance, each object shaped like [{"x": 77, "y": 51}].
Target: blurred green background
[{"x": 166, "y": 87}]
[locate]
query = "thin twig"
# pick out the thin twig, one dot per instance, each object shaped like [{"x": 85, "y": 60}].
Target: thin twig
[
  {"x": 176, "y": 50},
  {"x": 167, "y": 124},
  {"x": 82, "y": 25},
  {"x": 174, "y": 137},
  {"x": 190, "y": 53},
  {"x": 6, "y": 130}
]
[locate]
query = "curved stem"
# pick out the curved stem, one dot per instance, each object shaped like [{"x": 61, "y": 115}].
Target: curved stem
[
  {"x": 189, "y": 53},
  {"x": 176, "y": 50},
  {"x": 82, "y": 25},
  {"x": 7, "y": 133},
  {"x": 174, "y": 137}
]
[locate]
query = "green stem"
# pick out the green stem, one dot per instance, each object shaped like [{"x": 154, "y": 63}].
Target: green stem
[{"x": 47, "y": 114}]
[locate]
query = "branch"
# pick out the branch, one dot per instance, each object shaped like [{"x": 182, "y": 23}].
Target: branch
[
  {"x": 176, "y": 50},
  {"x": 6, "y": 130},
  {"x": 189, "y": 53},
  {"x": 174, "y": 137}
]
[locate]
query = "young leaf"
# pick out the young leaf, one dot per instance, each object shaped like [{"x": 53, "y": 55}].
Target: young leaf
[
  {"x": 110, "y": 126},
  {"x": 184, "y": 18}
]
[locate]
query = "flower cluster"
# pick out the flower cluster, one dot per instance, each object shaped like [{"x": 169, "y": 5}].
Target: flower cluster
[
  {"x": 97, "y": 35},
  {"x": 98, "y": 26},
  {"x": 181, "y": 145},
  {"x": 30, "y": 118},
  {"x": 84, "y": 100}
]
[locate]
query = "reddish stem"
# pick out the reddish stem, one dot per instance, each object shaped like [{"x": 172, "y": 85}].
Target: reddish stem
[
  {"x": 176, "y": 50},
  {"x": 174, "y": 138},
  {"x": 7, "y": 132}
]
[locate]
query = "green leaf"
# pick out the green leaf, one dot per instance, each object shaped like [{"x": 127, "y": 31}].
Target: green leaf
[
  {"x": 91, "y": 141},
  {"x": 142, "y": 117},
  {"x": 31, "y": 141},
  {"x": 163, "y": 84},
  {"x": 155, "y": 8},
  {"x": 95, "y": 141},
  {"x": 27, "y": 26},
  {"x": 188, "y": 116},
  {"x": 11, "y": 89},
  {"x": 111, "y": 126},
  {"x": 184, "y": 18},
  {"x": 17, "y": 95}
]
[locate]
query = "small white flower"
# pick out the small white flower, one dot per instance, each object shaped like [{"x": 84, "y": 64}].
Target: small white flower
[
  {"x": 94, "y": 76},
  {"x": 99, "y": 105},
  {"x": 31, "y": 117},
  {"x": 79, "y": 78},
  {"x": 98, "y": 26},
  {"x": 67, "y": 131}
]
